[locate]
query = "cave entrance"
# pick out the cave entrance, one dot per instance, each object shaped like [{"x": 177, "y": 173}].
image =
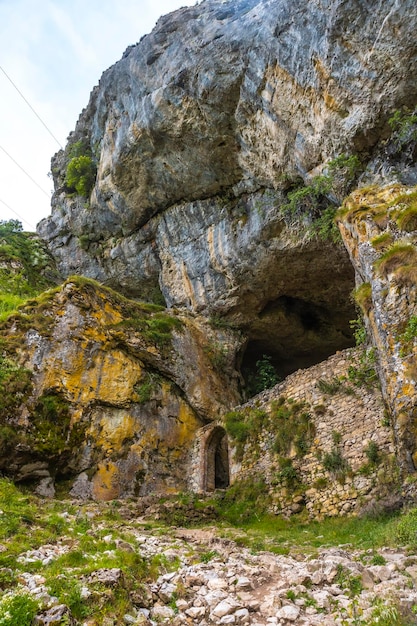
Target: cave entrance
[
  {"x": 290, "y": 334},
  {"x": 216, "y": 460}
]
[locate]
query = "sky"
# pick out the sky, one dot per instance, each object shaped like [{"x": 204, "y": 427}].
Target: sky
[{"x": 54, "y": 52}]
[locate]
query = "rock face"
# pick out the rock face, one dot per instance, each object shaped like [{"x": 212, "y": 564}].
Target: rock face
[
  {"x": 106, "y": 393},
  {"x": 210, "y": 151},
  {"x": 381, "y": 239},
  {"x": 197, "y": 134}
]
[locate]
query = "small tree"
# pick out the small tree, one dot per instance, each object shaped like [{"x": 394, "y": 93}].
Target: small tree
[{"x": 81, "y": 175}]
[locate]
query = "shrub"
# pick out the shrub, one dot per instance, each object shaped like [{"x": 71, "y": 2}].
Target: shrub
[
  {"x": 146, "y": 387},
  {"x": 244, "y": 426},
  {"x": 287, "y": 473},
  {"x": 364, "y": 374},
  {"x": 372, "y": 453},
  {"x": 408, "y": 336},
  {"x": 264, "y": 376},
  {"x": 346, "y": 166},
  {"x": 244, "y": 501},
  {"x": 404, "y": 124},
  {"x": 81, "y": 174},
  {"x": 353, "y": 584},
  {"x": 17, "y": 609},
  {"x": 206, "y": 557},
  {"x": 292, "y": 425},
  {"x": 406, "y": 532},
  {"x": 306, "y": 199},
  {"x": 357, "y": 325},
  {"x": 325, "y": 227},
  {"x": 334, "y": 462}
]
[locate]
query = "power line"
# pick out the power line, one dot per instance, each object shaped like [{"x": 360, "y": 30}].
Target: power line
[
  {"x": 19, "y": 216},
  {"x": 25, "y": 172},
  {"x": 31, "y": 107}
]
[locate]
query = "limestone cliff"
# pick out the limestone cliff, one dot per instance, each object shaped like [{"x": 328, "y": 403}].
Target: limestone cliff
[
  {"x": 200, "y": 133},
  {"x": 211, "y": 159},
  {"x": 107, "y": 393},
  {"x": 379, "y": 228}
]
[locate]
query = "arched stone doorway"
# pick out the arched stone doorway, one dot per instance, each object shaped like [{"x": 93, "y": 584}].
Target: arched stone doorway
[{"x": 215, "y": 457}]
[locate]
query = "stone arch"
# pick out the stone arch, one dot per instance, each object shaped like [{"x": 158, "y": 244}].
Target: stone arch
[{"x": 215, "y": 459}]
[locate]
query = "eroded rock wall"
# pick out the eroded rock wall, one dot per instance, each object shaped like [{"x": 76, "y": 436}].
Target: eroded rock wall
[
  {"x": 107, "y": 393},
  {"x": 223, "y": 101},
  {"x": 381, "y": 241}
]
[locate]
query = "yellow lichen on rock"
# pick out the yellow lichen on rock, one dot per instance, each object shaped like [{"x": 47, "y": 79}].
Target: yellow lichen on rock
[
  {"x": 88, "y": 373},
  {"x": 105, "y": 482}
]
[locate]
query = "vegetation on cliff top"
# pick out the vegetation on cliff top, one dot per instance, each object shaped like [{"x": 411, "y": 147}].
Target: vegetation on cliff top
[{"x": 26, "y": 269}]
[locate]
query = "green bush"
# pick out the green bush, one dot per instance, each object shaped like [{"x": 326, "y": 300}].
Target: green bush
[
  {"x": 17, "y": 609},
  {"x": 408, "y": 336},
  {"x": 24, "y": 261},
  {"x": 81, "y": 175},
  {"x": 325, "y": 227},
  {"x": 345, "y": 166},
  {"x": 364, "y": 373},
  {"x": 244, "y": 501},
  {"x": 406, "y": 531},
  {"x": 334, "y": 462},
  {"x": 244, "y": 426},
  {"x": 403, "y": 124},
  {"x": 307, "y": 199},
  {"x": 372, "y": 453},
  {"x": 288, "y": 473},
  {"x": 264, "y": 376}
]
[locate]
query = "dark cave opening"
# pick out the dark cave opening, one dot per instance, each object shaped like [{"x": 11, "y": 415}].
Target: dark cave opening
[{"x": 290, "y": 334}]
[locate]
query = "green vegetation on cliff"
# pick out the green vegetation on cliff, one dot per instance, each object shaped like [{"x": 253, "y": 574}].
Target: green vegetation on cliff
[{"x": 26, "y": 268}]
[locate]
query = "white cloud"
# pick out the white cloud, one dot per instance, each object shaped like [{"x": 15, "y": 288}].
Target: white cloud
[{"x": 55, "y": 52}]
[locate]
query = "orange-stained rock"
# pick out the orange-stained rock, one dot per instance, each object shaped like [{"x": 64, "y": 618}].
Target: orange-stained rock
[{"x": 118, "y": 390}]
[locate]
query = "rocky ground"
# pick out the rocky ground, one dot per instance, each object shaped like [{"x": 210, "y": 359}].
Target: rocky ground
[{"x": 205, "y": 578}]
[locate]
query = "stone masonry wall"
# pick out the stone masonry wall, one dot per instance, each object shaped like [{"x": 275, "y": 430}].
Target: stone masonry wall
[{"x": 344, "y": 422}]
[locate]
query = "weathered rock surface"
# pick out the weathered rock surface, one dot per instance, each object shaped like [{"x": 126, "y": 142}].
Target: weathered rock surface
[
  {"x": 198, "y": 131},
  {"x": 108, "y": 390},
  {"x": 382, "y": 247}
]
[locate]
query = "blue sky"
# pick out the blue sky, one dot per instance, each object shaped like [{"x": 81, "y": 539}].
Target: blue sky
[{"x": 55, "y": 52}]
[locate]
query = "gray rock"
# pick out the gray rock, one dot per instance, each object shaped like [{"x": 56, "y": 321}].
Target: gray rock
[
  {"x": 46, "y": 488},
  {"x": 194, "y": 159}
]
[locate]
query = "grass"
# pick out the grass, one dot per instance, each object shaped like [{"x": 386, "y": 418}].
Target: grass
[
  {"x": 301, "y": 536},
  {"x": 91, "y": 535},
  {"x": 363, "y": 296},
  {"x": 396, "y": 256},
  {"x": 382, "y": 242}
]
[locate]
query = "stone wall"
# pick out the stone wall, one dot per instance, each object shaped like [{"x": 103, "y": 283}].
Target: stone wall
[{"x": 344, "y": 422}]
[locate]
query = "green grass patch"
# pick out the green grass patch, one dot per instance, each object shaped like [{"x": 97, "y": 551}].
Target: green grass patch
[
  {"x": 398, "y": 255},
  {"x": 363, "y": 297}
]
